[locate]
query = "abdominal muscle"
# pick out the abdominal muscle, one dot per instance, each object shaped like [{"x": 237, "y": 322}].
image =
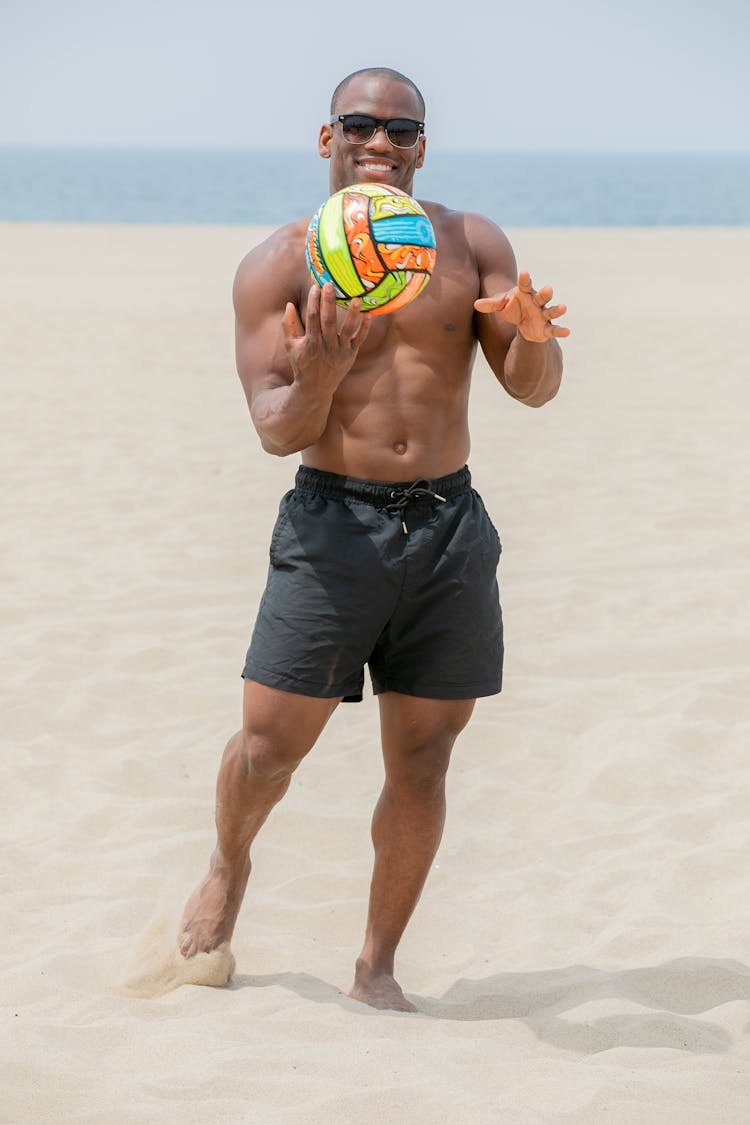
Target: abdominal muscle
[{"x": 402, "y": 424}]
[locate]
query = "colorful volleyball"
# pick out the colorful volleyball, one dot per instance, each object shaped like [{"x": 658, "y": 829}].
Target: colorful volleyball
[{"x": 374, "y": 242}]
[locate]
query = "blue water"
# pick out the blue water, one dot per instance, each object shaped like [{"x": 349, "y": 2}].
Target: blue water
[{"x": 173, "y": 186}]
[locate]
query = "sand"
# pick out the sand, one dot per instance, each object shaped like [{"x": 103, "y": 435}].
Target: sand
[{"x": 582, "y": 950}]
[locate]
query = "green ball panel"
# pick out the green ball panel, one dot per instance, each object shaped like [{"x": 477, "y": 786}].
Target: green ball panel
[
  {"x": 386, "y": 290},
  {"x": 335, "y": 249}
]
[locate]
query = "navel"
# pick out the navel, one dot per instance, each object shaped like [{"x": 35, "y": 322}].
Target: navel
[{"x": 399, "y": 447}]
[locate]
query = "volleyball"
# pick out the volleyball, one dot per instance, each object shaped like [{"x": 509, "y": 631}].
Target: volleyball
[{"x": 374, "y": 242}]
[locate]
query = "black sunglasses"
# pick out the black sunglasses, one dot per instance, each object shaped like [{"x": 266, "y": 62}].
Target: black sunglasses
[{"x": 359, "y": 128}]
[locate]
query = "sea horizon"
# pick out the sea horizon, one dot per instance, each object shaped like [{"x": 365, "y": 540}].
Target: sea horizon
[{"x": 234, "y": 186}]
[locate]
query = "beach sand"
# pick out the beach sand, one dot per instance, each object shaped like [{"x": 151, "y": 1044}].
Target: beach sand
[{"x": 581, "y": 953}]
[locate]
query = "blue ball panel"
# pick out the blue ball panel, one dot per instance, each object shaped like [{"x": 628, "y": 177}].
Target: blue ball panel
[{"x": 409, "y": 229}]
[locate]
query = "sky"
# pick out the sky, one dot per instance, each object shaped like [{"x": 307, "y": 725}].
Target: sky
[{"x": 541, "y": 76}]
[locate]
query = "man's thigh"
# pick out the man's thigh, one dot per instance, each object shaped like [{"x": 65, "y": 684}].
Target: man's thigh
[
  {"x": 444, "y": 639},
  {"x": 412, "y": 726},
  {"x": 284, "y": 718}
]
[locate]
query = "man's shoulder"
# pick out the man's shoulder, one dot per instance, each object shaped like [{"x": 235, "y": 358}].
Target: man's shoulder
[
  {"x": 469, "y": 230},
  {"x": 469, "y": 223},
  {"x": 291, "y": 233},
  {"x": 289, "y": 239},
  {"x": 277, "y": 258},
  {"x": 439, "y": 214}
]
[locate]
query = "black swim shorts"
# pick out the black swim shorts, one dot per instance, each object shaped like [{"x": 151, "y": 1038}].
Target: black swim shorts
[{"x": 401, "y": 577}]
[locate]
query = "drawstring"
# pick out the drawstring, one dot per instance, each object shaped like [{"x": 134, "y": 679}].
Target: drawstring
[{"x": 400, "y": 497}]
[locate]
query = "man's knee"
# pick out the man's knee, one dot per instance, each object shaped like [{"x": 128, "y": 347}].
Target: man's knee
[
  {"x": 418, "y": 737},
  {"x": 421, "y": 766},
  {"x": 278, "y": 730},
  {"x": 268, "y": 759}
]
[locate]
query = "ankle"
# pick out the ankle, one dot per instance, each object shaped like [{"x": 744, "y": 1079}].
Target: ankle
[
  {"x": 230, "y": 862},
  {"x": 367, "y": 966}
]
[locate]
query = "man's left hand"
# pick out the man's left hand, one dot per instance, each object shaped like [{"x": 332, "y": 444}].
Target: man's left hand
[{"x": 528, "y": 309}]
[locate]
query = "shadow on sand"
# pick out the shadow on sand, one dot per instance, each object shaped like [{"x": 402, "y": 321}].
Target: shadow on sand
[{"x": 671, "y": 995}]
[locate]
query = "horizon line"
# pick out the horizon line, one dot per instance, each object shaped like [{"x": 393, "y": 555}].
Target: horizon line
[{"x": 238, "y": 150}]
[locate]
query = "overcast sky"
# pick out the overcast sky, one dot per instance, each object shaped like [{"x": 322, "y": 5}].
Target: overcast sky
[{"x": 577, "y": 76}]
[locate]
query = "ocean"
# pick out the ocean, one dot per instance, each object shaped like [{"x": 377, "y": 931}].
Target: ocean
[{"x": 272, "y": 188}]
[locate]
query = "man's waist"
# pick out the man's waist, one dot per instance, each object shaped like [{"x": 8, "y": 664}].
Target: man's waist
[{"x": 381, "y": 493}]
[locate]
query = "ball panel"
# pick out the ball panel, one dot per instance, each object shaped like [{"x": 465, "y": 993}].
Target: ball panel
[
  {"x": 335, "y": 249},
  {"x": 414, "y": 283},
  {"x": 365, "y": 256},
  {"x": 404, "y": 228},
  {"x": 388, "y": 289},
  {"x": 378, "y": 191},
  {"x": 312, "y": 253},
  {"x": 389, "y": 203},
  {"x": 415, "y": 258}
]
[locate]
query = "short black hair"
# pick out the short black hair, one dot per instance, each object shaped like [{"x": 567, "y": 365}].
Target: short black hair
[{"x": 377, "y": 72}]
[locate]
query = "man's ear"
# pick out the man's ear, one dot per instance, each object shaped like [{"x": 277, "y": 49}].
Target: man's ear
[
  {"x": 420, "y": 151},
  {"x": 324, "y": 141}
]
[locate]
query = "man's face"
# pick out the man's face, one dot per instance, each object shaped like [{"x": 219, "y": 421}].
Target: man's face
[{"x": 377, "y": 161}]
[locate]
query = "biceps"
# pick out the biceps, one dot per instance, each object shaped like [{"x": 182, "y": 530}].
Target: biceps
[
  {"x": 496, "y": 281},
  {"x": 260, "y": 357},
  {"x": 495, "y": 337}
]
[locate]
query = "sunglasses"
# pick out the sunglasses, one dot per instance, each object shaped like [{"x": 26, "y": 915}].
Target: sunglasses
[{"x": 359, "y": 128}]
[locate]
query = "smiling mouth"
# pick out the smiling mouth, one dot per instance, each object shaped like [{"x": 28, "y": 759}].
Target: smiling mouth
[{"x": 376, "y": 166}]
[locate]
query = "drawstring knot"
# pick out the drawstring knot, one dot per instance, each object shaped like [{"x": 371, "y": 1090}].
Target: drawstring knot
[{"x": 400, "y": 497}]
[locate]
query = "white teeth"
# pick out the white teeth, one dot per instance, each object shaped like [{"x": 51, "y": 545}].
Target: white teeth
[{"x": 377, "y": 167}]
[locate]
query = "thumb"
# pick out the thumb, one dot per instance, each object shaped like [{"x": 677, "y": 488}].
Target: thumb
[{"x": 492, "y": 304}]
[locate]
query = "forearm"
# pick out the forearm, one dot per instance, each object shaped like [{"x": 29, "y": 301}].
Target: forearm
[
  {"x": 532, "y": 372},
  {"x": 291, "y": 417}
]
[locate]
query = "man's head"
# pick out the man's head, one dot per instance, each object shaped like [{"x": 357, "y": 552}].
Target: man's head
[{"x": 397, "y": 106}]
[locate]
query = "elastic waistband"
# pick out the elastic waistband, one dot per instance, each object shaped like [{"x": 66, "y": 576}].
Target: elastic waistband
[{"x": 378, "y": 492}]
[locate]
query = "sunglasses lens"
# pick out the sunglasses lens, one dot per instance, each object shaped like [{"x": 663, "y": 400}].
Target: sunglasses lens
[
  {"x": 357, "y": 128},
  {"x": 402, "y": 133}
]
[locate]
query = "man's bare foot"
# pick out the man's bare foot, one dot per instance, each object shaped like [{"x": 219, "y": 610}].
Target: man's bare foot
[
  {"x": 210, "y": 913},
  {"x": 379, "y": 990}
]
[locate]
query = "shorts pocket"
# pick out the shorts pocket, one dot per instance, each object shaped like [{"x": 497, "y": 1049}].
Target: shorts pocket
[
  {"x": 492, "y": 531},
  {"x": 279, "y": 527}
]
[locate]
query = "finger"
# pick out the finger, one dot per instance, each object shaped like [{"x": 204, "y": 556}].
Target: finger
[
  {"x": 363, "y": 328},
  {"x": 558, "y": 331},
  {"x": 543, "y": 295},
  {"x": 553, "y": 311},
  {"x": 352, "y": 320},
  {"x": 312, "y": 324},
  {"x": 492, "y": 304},
  {"x": 291, "y": 324},
  {"x": 328, "y": 314},
  {"x": 524, "y": 282}
]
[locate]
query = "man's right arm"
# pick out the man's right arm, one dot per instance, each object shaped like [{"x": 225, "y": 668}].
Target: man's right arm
[{"x": 289, "y": 371}]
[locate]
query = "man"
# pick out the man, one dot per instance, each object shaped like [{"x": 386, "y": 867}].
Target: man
[{"x": 402, "y": 575}]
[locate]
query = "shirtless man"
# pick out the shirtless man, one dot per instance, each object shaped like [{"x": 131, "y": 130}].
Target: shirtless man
[{"x": 400, "y": 576}]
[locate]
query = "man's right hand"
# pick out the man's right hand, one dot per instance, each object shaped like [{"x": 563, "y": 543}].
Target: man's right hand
[{"x": 324, "y": 349}]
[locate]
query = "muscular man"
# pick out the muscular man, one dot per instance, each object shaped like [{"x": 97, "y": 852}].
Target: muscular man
[{"x": 383, "y": 554}]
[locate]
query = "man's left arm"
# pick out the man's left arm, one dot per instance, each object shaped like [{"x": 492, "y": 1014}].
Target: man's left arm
[{"x": 514, "y": 322}]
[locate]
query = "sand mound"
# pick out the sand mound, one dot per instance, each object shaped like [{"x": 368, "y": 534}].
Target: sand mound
[{"x": 157, "y": 966}]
